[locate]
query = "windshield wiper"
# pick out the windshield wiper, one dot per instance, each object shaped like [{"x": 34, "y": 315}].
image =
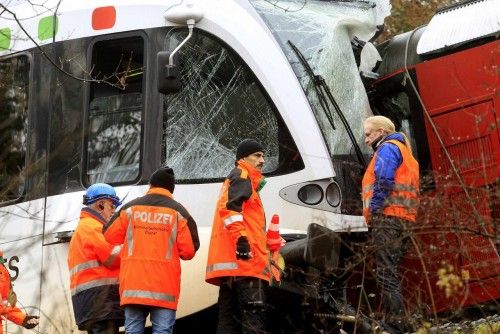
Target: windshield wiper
[{"x": 325, "y": 95}]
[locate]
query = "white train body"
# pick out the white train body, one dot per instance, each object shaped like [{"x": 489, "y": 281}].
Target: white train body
[{"x": 250, "y": 84}]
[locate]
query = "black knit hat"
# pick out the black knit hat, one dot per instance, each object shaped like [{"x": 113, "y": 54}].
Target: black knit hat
[
  {"x": 163, "y": 177},
  {"x": 247, "y": 147}
]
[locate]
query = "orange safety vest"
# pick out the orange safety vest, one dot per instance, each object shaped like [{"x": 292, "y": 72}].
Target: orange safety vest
[
  {"x": 246, "y": 218},
  {"x": 156, "y": 232},
  {"x": 10, "y": 312},
  {"x": 402, "y": 201},
  {"x": 93, "y": 263}
]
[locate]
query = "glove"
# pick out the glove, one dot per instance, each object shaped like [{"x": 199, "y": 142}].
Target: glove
[
  {"x": 27, "y": 325},
  {"x": 243, "y": 249}
]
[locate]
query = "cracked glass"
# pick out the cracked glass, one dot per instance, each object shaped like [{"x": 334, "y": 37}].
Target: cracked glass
[
  {"x": 322, "y": 31},
  {"x": 220, "y": 104}
]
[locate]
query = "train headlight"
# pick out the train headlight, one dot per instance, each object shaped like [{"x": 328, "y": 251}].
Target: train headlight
[
  {"x": 333, "y": 195},
  {"x": 310, "y": 194},
  {"x": 323, "y": 194}
]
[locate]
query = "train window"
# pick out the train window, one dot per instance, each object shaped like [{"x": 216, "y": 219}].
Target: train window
[
  {"x": 220, "y": 104},
  {"x": 115, "y": 111},
  {"x": 14, "y": 84}
]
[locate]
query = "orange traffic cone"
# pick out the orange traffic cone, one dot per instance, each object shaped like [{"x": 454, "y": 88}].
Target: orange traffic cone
[{"x": 274, "y": 240}]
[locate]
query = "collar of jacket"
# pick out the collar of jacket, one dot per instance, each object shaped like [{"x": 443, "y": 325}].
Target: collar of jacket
[
  {"x": 258, "y": 181},
  {"x": 377, "y": 142},
  {"x": 89, "y": 212},
  {"x": 159, "y": 191},
  {"x": 392, "y": 136}
]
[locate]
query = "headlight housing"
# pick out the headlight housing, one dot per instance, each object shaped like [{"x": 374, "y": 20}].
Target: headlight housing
[
  {"x": 333, "y": 194},
  {"x": 310, "y": 194},
  {"x": 323, "y": 194}
]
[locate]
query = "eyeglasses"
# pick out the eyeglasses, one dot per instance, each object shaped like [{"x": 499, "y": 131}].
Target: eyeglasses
[{"x": 110, "y": 205}]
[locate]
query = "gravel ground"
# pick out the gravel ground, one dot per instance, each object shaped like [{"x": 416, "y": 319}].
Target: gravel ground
[{"x": 488, "y": 325}]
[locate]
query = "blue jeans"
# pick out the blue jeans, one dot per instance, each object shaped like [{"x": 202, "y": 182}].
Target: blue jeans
[{"x": 163, "y": 319}]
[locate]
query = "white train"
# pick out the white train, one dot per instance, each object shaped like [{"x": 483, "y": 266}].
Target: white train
[{"x": 79, "y": 103}]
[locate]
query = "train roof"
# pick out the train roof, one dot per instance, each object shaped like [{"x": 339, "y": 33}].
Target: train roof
[
  {"x": 460, "y": 23},
  {"x": 451, "y": 29},
  {"x": 24, "y": 24}
]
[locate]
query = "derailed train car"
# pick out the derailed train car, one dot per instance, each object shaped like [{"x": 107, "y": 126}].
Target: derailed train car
[{"x": 439, "y": 83}]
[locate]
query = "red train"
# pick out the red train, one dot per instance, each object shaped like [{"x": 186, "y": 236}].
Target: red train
[{"x": 441, "y": 85}]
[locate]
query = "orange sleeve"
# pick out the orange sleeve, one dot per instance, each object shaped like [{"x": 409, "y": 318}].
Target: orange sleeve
[
  {"x": 114, "y": 231},
  {"x": 13, "y": 314},
  {"x": 237, "y": 190},
  {"x": 108, "y": 254},
  {"x": 187, "y": 238}
]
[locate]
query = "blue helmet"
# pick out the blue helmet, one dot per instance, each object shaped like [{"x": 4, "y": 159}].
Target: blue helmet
[{"x": 99, "y": 191}]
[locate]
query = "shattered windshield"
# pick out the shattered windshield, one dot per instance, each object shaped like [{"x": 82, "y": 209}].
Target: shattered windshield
[
  {"x": 220, "y": 104},
  {"x": 322, "y": 31}
]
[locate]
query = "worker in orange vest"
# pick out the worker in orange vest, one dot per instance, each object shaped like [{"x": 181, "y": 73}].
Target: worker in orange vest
[
  {"x": 238, "y": 257},
  {"x": 390, "y": 200},
  {"x": 8, "y": 299},
  {"x": 94, "y": 265},
  {"x": 156, "y": 232}
]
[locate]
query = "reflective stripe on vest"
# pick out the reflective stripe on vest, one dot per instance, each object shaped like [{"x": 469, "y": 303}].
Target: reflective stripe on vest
[
  {"x": 396, "y": 187},
  {"x": 92, "y": 284},
  {"x": 130, "y": 232},
  {"x": 148, "y": 294},
  {"x": 84, "y": 266},
  {"x": 230, "y": 266},
  {"x": 232, "y": 219},
  {"x": 409, "y": 204},
  {"x": 222, "y": 266},
  {"x": 171, "y": 241},
  {"x": 112, "y": 257}
]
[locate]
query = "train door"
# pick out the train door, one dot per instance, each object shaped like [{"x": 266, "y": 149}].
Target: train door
[
  {"x": 458, "y": 91},
  {"x": 96, "y": 135}
]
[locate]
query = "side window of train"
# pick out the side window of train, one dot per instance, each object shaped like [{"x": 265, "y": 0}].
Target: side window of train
[
  {"x": 221, "y": 103},
  {"x": 14, "y": 84},
  {"x": 114, "y": 127}
]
